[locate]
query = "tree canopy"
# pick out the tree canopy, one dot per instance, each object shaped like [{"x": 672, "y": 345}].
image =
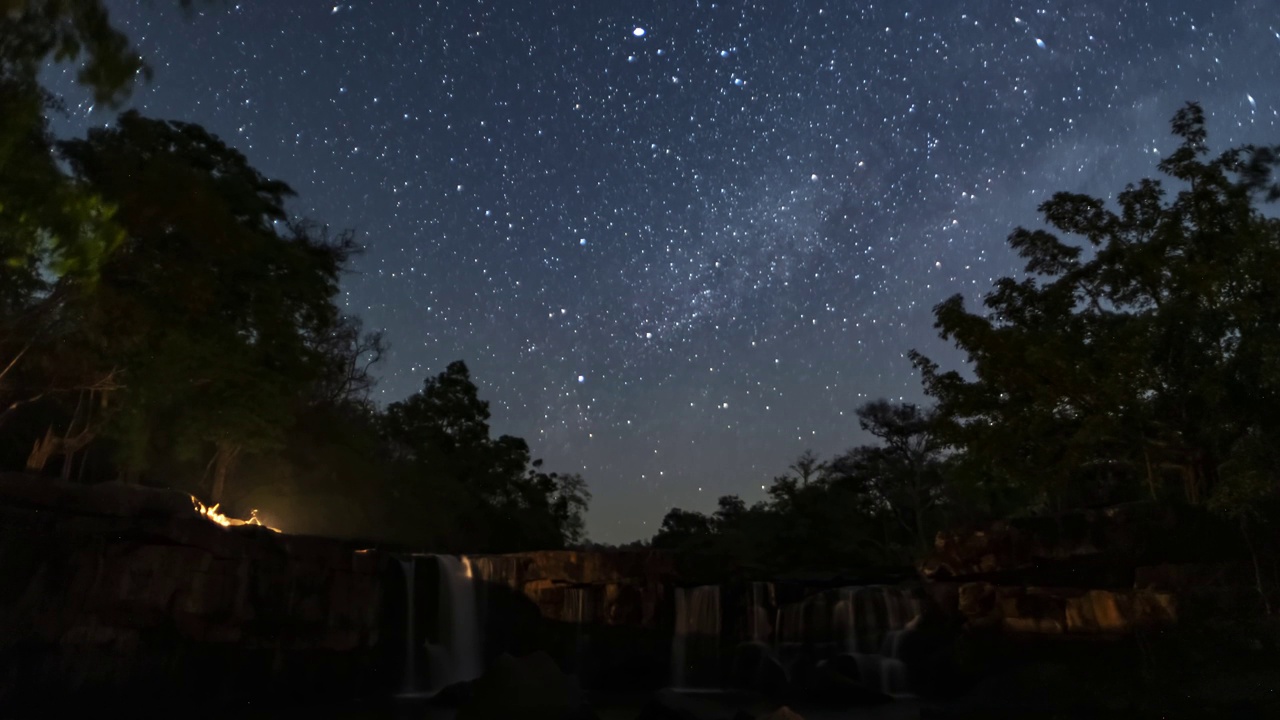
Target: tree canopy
[
  {"x": 1138, "y": 359},
  {"x": 165, "y": 319}
]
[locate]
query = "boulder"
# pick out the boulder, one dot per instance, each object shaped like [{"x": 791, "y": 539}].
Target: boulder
[
  {"x": 839, "y": 682},
  {"x": 671, "y": 705},
  {"x": 755, "y": 667},
  {"x": 531, "y": 688}
]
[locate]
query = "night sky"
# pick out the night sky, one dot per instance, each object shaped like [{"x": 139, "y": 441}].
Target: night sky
[{"x": 679, "y": 242}]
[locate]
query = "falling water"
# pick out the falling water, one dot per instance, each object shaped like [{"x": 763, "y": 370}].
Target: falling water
[
  {"x": 791, "y": 626},
  {"x": 457, "y": 657},
  {"x": 410, "y": 684},
  {"x": 577, "y": 610},
  {"x": 871, "y": 622},
  {"x": 758, "y": 614},
  {"x": 697, "y": 628}
]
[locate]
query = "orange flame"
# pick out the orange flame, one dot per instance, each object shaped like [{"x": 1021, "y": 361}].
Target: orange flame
[{"x": 213, "y": 514}]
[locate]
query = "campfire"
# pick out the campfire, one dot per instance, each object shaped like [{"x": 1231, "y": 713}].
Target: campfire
[{"x": 225, "y": 521}]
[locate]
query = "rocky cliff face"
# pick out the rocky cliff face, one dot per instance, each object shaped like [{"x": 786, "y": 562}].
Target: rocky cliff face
[
  {"x": 113, "y": 591},
  {"x": 1108, "y": 571},
  {"x": 606, "y": 616}
]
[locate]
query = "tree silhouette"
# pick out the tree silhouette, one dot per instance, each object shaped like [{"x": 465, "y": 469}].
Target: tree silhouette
[
  {"x": 1137, "y": 358},
  {"x": 208, "y": 310}
]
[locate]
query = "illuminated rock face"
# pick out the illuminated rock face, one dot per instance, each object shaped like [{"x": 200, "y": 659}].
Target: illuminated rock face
[{"x": 114, "y": 591}]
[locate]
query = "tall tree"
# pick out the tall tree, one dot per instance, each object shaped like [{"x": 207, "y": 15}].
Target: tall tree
[
  {"x": 901, "y": 476},
  {"x": 212, "y": 302},
  {"x": 1139, "y": 357},
  {"x": 442, "y": 433}
]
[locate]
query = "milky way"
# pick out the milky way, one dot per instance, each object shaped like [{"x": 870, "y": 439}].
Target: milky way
[{"x": 679, "y": 242}]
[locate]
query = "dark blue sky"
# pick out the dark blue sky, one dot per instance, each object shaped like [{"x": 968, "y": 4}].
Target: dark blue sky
[{"x": 679, "y": 242}]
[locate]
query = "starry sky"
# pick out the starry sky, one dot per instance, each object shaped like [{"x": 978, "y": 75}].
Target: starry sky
[{"x": 678, "y": 242}]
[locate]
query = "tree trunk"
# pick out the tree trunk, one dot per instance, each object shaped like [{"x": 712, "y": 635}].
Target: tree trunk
[{"x": 224, "y": 460}]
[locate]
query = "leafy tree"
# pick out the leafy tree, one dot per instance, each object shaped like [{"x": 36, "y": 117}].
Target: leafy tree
[
  {"x": 446, "y": 417},
  {"x": 212, "y": 304},
  {"x": 54, "y": 232},
  {"x": 901, "y": 477},
  {"x": 807, "y": 467},
  {"x": 570, "y": 501},
  {"x": 503, "y": 499},
  {"x": 1138, "y": 358},
  {"x": 681, "y": 528},
  {"x": 33, "y": 31}
]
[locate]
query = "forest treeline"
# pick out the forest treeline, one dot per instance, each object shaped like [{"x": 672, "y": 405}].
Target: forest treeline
[
  {"x": 165, "y": 321},
  {"x": 1138, "y": 358}
]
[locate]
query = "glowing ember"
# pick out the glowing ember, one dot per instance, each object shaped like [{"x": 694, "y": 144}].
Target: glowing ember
[{"x": 213, "y": 514}]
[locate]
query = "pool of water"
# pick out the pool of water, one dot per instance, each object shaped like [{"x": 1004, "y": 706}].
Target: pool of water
[{"x": 701, "y": 703}]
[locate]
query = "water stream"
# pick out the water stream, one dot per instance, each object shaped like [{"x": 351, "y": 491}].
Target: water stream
[
  {"x": 456, "y": 656},
  {"x": 695, "y": 647}
]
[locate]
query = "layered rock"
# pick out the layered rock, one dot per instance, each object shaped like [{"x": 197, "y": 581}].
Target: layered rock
[
  {"x": 622, "y": 588},
  {"x": 1055, "y": 611},
  {"x": 1084, "y": 548},
  {"x": 114, "y": 590},
  {"x": 604, "y": 615},
  {"x": 1104, "y": 572}
]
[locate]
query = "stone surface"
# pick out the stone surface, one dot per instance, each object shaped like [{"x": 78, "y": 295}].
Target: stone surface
[
  {"x": 530, "y": 687},
  {"x": 622, "y": 588},
  {"x": 1053, "y": 611},
  {"x": 111, "y": 590},
  {"x": 1085, "y": 548}
]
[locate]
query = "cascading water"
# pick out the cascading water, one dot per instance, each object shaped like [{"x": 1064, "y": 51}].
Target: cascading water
[
  {"x": 577, "y": 610},
  {"x": 456, "y": 657},
  {"x": 410, "y": 683},
  {"x": 870, "y": 622},
  {"x": 696, "y": 644},
  {"x": 758, "y": 628},
  {"x": 791, "y": 628}
]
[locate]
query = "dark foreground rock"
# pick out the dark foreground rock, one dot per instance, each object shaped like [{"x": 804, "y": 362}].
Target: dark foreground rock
[
  {"x": 531, "y": 688},
  {"x": 123, "y": 593},
  {"x": 1091, "y": 548}
]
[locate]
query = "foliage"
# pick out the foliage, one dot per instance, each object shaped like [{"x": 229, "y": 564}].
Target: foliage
[
  {"x": 163, "y": 319},
  {"x": 442, "y": 432},
  {"x": 1131, "y": 363},
  {"x": 876, "y": 504}
]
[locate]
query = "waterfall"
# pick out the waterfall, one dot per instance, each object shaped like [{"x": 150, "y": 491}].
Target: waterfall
[
  {"x": 791, "y": 626},
  {"x": 697, "y": 633},
  {"x": 410, "y": 683},
  {"x": 871, "y": 622},
  {"x": 457, "y": 658},
  {"x": 457, "y": 654},
  {"x": 576, "y": 608},
  {"x": 758, "y": 613}
]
